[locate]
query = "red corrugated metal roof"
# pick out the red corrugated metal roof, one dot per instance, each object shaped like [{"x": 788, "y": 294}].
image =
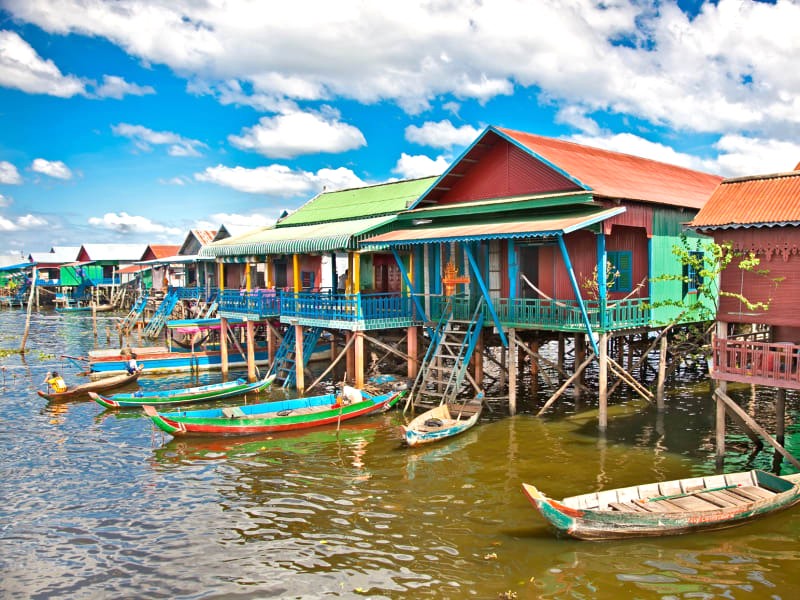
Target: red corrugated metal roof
[
  {"x": 162, "y": 251},
  {"x": 760, "y": 200},
  {"x": 204, "y": 236},
  {"x": 617, "y": 175}
]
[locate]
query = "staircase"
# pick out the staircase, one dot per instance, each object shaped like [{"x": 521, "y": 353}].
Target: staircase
[
  {"x": 445, "y": 364},
  {"x": 162, "y": 314},
  {"x": 135, "y": 313},
  {"x": 285, "y": 358}
]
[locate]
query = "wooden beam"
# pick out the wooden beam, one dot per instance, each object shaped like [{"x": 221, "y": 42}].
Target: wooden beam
[
  {"x": 333, "y": 364},
  {"x": 750, "y": 422},
  {"x": 628, "y": 378},
  {"x": 566, "y": 384}
]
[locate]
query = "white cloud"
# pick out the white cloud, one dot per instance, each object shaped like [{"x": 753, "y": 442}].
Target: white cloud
[
  {"x": 740, "y": 155},
  {"x": 124, "y": 223},
  {"x": 5, "y": 201},
  {"x": 28, "y": 221},
  {"x": 235, "y": 221},
  {"x": 412, "y": 167},
  {"x": 279, "y": 180},
  {"x": 295, "y": 133},
  {"x": 9, "y": 174},
  {"x": 144, "y": 139},
  {"x": 117, "y": 88},
  {"x": 174, "y": 181},
  {"x": 23, "y": 69},
  {"x": 441, "y": 135},
  {"x": 56, "y": 168}
]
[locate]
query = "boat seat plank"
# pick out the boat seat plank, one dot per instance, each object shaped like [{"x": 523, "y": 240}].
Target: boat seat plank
[
  {"x": 693, "y": 503},
  {"x": 754, "y": 493},
  {"x": 654, "y": 506},
  {"x": 722, "y": 500},
  {"x": 233, "y": 412},
  {"x": 739, "y": 500}
]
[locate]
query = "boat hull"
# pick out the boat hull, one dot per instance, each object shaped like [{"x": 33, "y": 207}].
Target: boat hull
[
  {"x": 437, "y": 424},
  {"x": 174, "y": 362},
  {"x": 83, "y": 390},
  {"x": 202, "y": 393},
  {"x": 270, "y": 417},
  {"x": 608, "y": 524}
]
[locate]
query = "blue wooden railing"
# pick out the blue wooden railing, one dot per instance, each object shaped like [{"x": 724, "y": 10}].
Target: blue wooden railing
[{"x": 261, "y": 303}]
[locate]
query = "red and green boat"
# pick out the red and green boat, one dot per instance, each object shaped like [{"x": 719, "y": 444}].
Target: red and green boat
[
  {"x": 668, "y": 507},
  {"x": 271, "y": 417},
  {"x": 201, "y": 393}
]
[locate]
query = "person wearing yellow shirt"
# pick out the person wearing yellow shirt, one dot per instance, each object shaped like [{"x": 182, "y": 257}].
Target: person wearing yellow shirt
[{"x": 56, "y": 382}]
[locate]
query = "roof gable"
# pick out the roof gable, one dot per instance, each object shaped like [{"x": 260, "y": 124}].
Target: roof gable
[
  {"x": 359, "y": 203},
  {"x": 755, "y": 201},
  {"x": 196, "y": 239},
  {"x": 507, "y": 163},
  {"x": 159, "y": 251},
  {"x": 112, "y": 252}
]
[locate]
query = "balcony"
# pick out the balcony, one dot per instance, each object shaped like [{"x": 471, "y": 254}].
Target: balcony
[
  {"x": 354, "y": 312},
  {"x": 773, "y": 364},
  {"x": 253, "y": 305}
]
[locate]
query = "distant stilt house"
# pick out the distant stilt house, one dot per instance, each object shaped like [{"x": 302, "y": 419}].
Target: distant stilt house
[
  {"x": 305, "y": 273},
  {"x": 197, "y": 273},
  {"x": 48, "y": 272},
  {"x": 758, "y": 321},
  {"x": 526, "y": 239}
]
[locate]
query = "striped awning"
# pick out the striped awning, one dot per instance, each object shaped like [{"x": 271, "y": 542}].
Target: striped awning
[
  {"x": 487, "y": 229},
  {"x": 303, "y": 239}
]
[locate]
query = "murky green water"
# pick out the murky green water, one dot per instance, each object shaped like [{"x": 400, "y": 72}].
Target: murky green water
[{"x": 98, "y": 505}]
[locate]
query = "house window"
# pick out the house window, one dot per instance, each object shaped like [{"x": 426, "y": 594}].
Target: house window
[
  {"x": 691, "y": 272},
  {"x": 621, "y": 276},
  {"x": 307, "y": 280},
  {"x": 279, "y": 267}
]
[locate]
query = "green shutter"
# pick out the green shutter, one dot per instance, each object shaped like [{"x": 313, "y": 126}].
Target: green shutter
[{"x": 622, "y": 260}]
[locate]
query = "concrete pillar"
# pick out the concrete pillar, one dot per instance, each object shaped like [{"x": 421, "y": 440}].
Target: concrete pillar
[
  {"x": 359, "y": 359},
  {"x": 413, "y": 352},
  {"x": 299, "y": 374},
  {"x": 662, "y": 371},
  {"x": 251, "y": 352},
  {"x": 223, "y": 344}
]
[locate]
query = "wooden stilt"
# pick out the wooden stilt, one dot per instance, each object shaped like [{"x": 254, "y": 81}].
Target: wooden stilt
[
  {"x": 477, "y": 360},
  {"x": 413, "y": 352},
  {"x": 344, "y": 352},
  {"x": 780, "y": 415},
  {"x": 503, "y": 367},
  {"x": 251, "y": 352},
  {"x": 351, "y": 355},
  {"x": 574, "y": 377},
  {"x": 359, "y": 358},
  {"x": 735, "y": 409},
  {"x": 271, "y": 345},
  {"x": 223, "y": 346},
  {"x": 662, "y": 371},
  {"x": 299, "y": 360},
  {"x": 512, "y": 371},
  {"x": 580, "y": 358},
  {"x": 560, "y": 356},
  {"x": 602, "y": 383}
]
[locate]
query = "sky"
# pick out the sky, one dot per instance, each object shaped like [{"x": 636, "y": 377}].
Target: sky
[{"x": 134, "y": 121}]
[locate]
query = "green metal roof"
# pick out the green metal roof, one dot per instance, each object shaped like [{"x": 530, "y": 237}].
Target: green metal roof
[
  {"x": 548, "y": 225},
  {"x": 356, "y": 203},
  {"x": 303, "y": 239}
]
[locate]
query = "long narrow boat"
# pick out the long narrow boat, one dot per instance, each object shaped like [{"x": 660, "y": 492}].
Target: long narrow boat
[
  {"x": 668, "y": 507},
  {"x": 214, "y": 391},
  {"x": 100, "y": 385},
  {"x": 269, "y": 417},
  {"x": 443, "y": 421}
]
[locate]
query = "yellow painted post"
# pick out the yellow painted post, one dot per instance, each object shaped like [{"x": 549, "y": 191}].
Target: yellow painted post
[
  {"x": 221, "y": 276},
  {"x": 413, "y": 352},
  {"x": 247, "y": 277},
  {"x": 268, "y": 276},
  {"x": 296, "y": 272},
  {"x": 359, "y": 379},
  {"x": 356, "y": 273}
]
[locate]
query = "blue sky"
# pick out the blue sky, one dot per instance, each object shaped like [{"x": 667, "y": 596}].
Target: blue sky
[{"x": 133, "y": 121}]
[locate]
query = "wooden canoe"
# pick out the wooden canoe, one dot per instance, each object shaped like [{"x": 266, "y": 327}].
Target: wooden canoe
[
  {"x": 214, "y": 391},
  {"x": 269, "y": 417},
  {"x": 443, "y": 421},
  {"x": 99, "y": 385},
  {"x": 668, "y": 507}
]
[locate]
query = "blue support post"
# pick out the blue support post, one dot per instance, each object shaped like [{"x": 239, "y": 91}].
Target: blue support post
[
  {"x": 414, "y": 298},
  {"x": 602, "y": 288},
  {"x": 485, "y": 292},
  {"x": 577, "y": 291},
  {"x": 513, "y": 270}
]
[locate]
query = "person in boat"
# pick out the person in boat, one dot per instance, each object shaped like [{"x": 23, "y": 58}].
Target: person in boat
[
  {"x": 56, "y": 382},
  {"x": 132, "y": 366}
]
